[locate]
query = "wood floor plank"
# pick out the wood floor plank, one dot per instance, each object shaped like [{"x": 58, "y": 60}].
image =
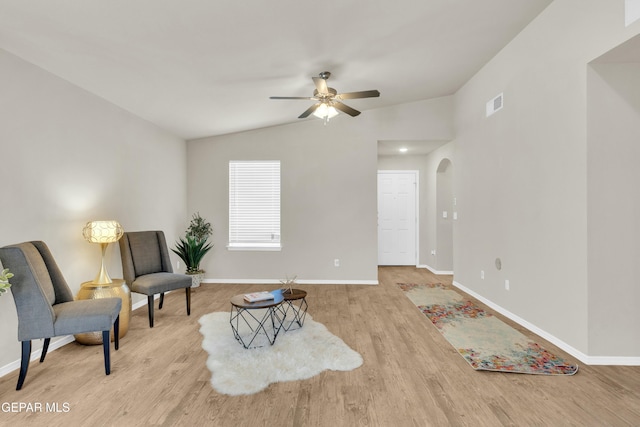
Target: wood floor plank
[{"x": 411, "y": 376}]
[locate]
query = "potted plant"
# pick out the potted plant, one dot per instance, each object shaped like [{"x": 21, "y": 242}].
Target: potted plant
[
  {"x": 193, "y": 247},
  {"x": 4, "y": 280}
]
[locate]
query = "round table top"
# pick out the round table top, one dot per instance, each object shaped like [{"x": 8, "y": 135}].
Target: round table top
[
  {"x": 294, "y": 294},
  {"x": 239, "y": 301},
  {"x": 115, "y": 283}
]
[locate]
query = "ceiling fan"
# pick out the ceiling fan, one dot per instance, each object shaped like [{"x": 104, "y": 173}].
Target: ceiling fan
[{"x": 329, "y": 100}]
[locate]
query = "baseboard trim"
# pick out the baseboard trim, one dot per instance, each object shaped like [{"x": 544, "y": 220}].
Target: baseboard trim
[
  {"x": 299, "y": 281},
  {"x": 15, "y": 365},
  {"x": 589, "y": 360},
  {"x": 613, "y": 360},
  {"x": 35, "y": 354},
  {"x": 434, "y": 271},
  {"x": 143, "y": 302},
  {"x": 584, "y": 358}
]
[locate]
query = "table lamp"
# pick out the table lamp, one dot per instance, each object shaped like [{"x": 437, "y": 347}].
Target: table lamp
[{"x": 103, "y": 232}]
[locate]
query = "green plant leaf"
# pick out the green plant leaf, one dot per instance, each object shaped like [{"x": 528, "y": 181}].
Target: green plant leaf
[
  {"x": 199, "y": 228},
  {"x": 4, "y": 280},
  {"x": 191, "y": 251}
]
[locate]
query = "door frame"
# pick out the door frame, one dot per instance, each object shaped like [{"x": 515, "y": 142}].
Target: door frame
[{"x": 416, "y": 174}]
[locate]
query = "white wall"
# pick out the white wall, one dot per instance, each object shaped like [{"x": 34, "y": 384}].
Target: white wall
[
  {"x": 614, "y": 207},
  {"x": 431, "y": 120},
  {"x": 328, "y": 201},
  {"x": 521, "y": 175},
  {"x": 522, "y": 178},
  {"x": 427, "y": 166},
  {"x": 69, "y": 157},
  {"x": 445, "y": 216},
  {"x": 329, "y": 194},
  {"x": 417, "y": 163}
]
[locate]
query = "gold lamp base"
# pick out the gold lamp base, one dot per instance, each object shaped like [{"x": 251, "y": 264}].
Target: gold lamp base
[{"x": 118, "y": 289}]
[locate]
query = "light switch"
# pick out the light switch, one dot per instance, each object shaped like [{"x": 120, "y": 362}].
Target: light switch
[{"x": 444, "y": 214}]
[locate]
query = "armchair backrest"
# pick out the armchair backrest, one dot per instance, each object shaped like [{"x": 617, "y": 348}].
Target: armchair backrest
[
  {"x": 144, "y": 252},
  {"x": 37, "y": 285}
]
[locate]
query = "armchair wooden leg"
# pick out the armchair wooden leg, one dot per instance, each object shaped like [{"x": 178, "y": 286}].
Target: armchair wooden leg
[
  {"x": 188, "y": 292},
  {"x": 161, "y": 301},
  {"x": 116, "y": 332},
  {"x": 24, "y": 363},
  {"x": 150, "y": 304},
  {"x": 45, "y": 348},
  {"x": 106, "y": 345}
]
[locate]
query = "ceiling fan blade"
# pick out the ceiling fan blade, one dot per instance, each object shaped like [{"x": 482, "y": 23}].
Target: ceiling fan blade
[
  {"x": 321, "y": 84},
  {"x": 361, "y": 94},
  {"x": 345, "y": 109},
  {"x": 294, "y": 97},
  {"x": 310, "y": 110}
]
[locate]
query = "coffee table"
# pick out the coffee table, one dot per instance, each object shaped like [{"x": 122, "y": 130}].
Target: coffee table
[
  {"x": 252, "y": 319},
  {"x": 295, "y": 301}
]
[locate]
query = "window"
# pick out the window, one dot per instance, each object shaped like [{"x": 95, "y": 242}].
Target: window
[{"x": 254, "y": 205}]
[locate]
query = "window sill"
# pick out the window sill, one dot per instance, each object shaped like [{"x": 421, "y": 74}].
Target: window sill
[{"x": 253, "y": 248}]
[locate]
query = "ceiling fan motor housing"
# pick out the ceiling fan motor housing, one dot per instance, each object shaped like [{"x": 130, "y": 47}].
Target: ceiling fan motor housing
[{"x": 331, "y": 92}]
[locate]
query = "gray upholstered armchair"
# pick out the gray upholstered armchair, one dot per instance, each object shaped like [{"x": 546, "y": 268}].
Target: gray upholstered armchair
[
  {"x": 46, "y": 307},
  {"x": 147, "y": 268}
]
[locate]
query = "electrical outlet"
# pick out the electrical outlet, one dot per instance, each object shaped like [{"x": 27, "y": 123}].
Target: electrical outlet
[
  {"x": 482, "y": 274},
  {"x": 178, "y": 265},
  {"x": 506, "y": 285},
  {"x": 336, "y": 262}
]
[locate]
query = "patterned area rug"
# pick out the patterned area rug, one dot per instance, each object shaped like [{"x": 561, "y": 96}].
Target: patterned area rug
[{"x": 483, "y": 340}]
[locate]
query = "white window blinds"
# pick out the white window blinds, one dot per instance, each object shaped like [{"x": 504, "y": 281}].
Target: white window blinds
[{"x": 254, "y": 205}]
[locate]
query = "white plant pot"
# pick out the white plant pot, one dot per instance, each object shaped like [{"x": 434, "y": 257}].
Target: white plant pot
[{"x": 196, "y": 278}]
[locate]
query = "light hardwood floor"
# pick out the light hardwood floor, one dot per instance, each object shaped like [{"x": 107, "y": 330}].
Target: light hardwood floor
[{"x": 411, "y": 376}]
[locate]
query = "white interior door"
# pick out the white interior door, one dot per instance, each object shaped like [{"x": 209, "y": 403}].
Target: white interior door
[{"x": 397, "y": 217}]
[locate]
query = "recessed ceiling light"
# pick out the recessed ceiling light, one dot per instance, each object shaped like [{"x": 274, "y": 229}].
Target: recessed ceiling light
[{"x": 403, "y": 150}]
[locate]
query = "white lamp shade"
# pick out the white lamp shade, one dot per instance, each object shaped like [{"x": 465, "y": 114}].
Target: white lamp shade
[
  {"x": 102, "y": 231},
  {"x": 325, "y": 111}
]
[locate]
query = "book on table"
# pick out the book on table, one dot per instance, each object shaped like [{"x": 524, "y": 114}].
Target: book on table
[{"x": 258, "y": 296}]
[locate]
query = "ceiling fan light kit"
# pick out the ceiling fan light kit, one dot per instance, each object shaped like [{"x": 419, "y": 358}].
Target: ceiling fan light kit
[
  {"x": 329, "y": 101},
  {"x": 325, "y": 112}
]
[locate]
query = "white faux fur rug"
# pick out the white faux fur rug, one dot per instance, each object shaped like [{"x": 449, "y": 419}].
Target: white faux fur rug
[{"x": 296, "y": 355}]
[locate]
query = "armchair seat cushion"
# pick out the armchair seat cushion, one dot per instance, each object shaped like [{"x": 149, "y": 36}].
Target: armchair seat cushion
[
  {"x": 156, "y": 283},
  {"x": 85, "y": 315}
]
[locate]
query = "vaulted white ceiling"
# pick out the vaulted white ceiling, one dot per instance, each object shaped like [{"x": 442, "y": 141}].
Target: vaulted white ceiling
[{"x": 207, "y": 67}]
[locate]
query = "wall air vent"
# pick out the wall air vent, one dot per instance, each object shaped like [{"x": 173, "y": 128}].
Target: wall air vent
[{"x": 494, "y": 105}]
